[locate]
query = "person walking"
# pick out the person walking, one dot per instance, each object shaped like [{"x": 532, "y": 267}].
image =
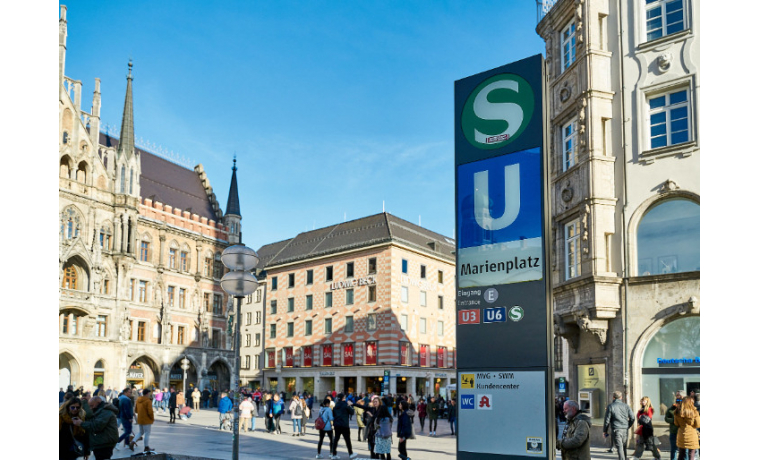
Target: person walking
[
  {"x": 277, "y": 408},
  {"x": 225, "y": 411},
  {"x": 246, "y": 415},
  {"x": 326, "y": 416},
  {"x": 359, "y": 409},
  {"x": 172, "y": 406},
  {"x": 369, "y": 430},
  {"x": 181, "y": 400},
  {"x": 70, "y": 411},
  {"x": 100, "y": 426},
  {"x": 158, "y": 396},
  {"x": 126, "y": 415},
  {"x": 645, "y": 439},
  {"x": 269, "y": 413},
  {"x": 619, "y": 418},
  {"x": 165, "y": 400},
  {"x": 687, "y": 421},
  {"x": 432, "y": 413},
  {"x": 145, "y": 419},
  {"x": 412, "y": 410},
  {"x": 422, "y": 411},
  {"x": 453, "y": 417},
  {"x": 196, "y": 399},
  {"x": 296, "y": 414},
  {"x": 215, "y": 398},
  {"x": 404, "y": 430},
  {"x": 257, "y": 399},
  {"x": 383, "y": 421},
  {"x": 575, "y": 443},
  {"x": 670, "y": 418},
  {"x": 205, "y": 395},
  {"x": 341, "y": 413},
  {"x": 306, "y": 416}
]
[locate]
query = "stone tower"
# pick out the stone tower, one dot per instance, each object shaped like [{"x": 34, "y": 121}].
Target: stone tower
[{"x": 232, "y": 216}]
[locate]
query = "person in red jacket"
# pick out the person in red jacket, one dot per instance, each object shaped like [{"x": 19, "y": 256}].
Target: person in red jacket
[{"x": 645, "y": 439}]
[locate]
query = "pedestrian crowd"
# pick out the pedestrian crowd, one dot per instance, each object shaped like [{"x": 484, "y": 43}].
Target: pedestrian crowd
[{"x": 682, "y": 418}]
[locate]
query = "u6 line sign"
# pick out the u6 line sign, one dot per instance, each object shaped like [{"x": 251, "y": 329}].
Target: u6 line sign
[{"x": 503, "y": 308}]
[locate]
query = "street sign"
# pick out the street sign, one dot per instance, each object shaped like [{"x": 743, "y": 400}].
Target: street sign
[{"x": 503, "y": 309}]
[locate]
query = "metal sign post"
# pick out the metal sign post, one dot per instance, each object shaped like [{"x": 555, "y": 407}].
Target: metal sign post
[{"x": 504, "y": 320}]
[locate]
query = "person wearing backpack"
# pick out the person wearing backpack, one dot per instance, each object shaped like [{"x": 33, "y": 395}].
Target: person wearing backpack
[
  {"x": 277, "y": 408},
  {"x": 323, "y": 423},
  {"x": 404, "y": 430},
  {"x": 383, "y": 421},
  {"x": 296, "y": 412},
  {"x": 645, "y": 439}
]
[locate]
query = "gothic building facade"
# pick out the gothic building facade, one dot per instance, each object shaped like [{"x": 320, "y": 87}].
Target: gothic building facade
[
  {"x": 139, "y": 256},
  {"x": 623, "y": 104}
]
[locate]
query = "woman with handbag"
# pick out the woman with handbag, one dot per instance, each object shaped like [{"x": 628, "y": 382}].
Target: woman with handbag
[
  {"x": 645, "y": 439},
  {"x": 383, "y": 421},
  {"x": 72, "y": 439},
  {"x": 687, "y": 421}
]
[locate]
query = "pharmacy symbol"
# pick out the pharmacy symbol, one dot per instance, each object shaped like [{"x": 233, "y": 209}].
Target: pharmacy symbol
[
  {"x": 485, "y": 402},
  {"x": 511, "y": 199}
]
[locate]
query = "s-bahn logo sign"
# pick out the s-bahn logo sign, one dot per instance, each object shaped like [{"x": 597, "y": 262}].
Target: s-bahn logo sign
[{"x": 498, "y": 111}]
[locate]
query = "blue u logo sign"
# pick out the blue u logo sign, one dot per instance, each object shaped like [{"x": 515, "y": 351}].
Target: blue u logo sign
[{"x": 511, "y": 199}]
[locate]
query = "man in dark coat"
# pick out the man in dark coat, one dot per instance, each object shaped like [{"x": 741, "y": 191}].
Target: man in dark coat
[
  {"x": 205, "y": 395},
  {"x": 341, "y": 411},
  {"x": 100, "y": 426},
  {"x": 173, "y": 406},
  {"x": 575, "y": 443}
]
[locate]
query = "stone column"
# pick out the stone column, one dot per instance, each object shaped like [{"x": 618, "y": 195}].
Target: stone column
[
  {"x": 124, "y": 232},
  {"x": 198, "y": 257},
  {"x": 393, "y": 383},
  {"x": 430, "y": 390},
  {"x": 360, "y": 386},
  {"x": 280, "y": 383},
  {"x": 116, "y": 234},
  {"x": 162, "y": 243},
  {"x": 133, "y": 236},
  {"x": 411, "y": 386}
]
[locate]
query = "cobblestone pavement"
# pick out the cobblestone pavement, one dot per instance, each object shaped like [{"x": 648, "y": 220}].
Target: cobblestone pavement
[{"x": 200, "y": 437}]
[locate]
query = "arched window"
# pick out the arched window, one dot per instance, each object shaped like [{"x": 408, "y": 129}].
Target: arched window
[
  {"x": 668, "y": 238},
  {"x": 70, "y": 223},
  {"x": 105, "y": 238},
  {"x": 131, "y": 179},
  {"x": 69, "y": 277},
  {"x": 82, "y": 172},
  {"x": 65, "y": 170},
  {"x": 671, "y": 362},
  {"x": 123, "y": 179}
]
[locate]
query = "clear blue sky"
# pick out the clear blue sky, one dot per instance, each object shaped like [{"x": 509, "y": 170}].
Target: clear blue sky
[{"x": 331, "y": 107}]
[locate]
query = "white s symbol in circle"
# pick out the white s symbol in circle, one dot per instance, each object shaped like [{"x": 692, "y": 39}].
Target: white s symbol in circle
[
  {"x": 511, "y": 199},
  {"x": 507, "y": 111}
]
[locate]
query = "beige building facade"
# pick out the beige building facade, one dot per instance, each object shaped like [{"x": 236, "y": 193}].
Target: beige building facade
[
  {"x": 140, "y": 242},
  {"x": 623, "y": 105},
  {"x": 346, "y": 303}
]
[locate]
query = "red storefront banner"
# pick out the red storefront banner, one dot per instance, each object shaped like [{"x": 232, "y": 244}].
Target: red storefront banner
[
  {"x": 441, "y": 356},
  {"x": 348, "y": 354},
  {"x": 404, "y": 354},
  {"x": 423, "y": 355},
  {"x": 270, "y": 359},
  {"x": 288, "y": 356},
  {"x": 327, "y": 355},
  {"x": 371, "y": 354},
  {"x": 307, "y": 357}
]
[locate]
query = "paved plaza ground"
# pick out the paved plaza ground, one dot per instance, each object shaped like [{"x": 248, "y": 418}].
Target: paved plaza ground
[{"x": 201, "y": 437}]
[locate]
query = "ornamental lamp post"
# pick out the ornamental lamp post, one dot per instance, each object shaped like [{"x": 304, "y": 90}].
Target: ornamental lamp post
[
  {"x": 185, "y": 366},
  {"x": 239, "y": 282}
]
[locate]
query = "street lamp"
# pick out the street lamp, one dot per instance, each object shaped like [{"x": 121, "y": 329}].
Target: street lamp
[
  {"x": 239, "y": 282},
  {"x": 185, "y": 366}
]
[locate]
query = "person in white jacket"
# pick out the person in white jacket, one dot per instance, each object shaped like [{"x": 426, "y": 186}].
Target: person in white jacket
[
  {"x": 296, "y": 414},
  {"x": 246, "y": 415}
]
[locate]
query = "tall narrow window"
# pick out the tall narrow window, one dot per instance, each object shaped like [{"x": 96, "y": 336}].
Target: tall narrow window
[
  {"x": 568, "y": 46},
  {"x": 181, "y": 298},
  {"x": 423, "y": 272},
  {"x": 664, "y": 17},
  {"x": 272, "y": 331},
  {"x": 207, "y": 302},
  {"x": 274, "y": 283},
  {"x": 349, "y": 324},
  {"x": 349, "y": 296},
  {"x": 183, "y": 261},
  {"x": 569, "y": 148},
  {"x": 142, "y": 292},
  {"x": 372, "y": 266},
  {"x": 101, "y": 326},
  {"x": 291, "y": 280},
  {"x": 372, "y": 321},
  {"x": 123, "y": 179},
  {"x": 180, "y": 335},
  {"x": 328, "y": 325},
  {"x": 423, "y": 299},
  {"x": 371, "y": 293},
  {"x": 572, "y": 250},
  {"x": 350, "y": 270},
  {"x": 273, "y": 307},
  {"x": 404, "y": 266},
  {"x": 309, "y": 302},
  {"x": 329, "y": 273},
  {"x": 669, "y": 119},
  {"x": 328, "y": 299},
  {"x": 558, "y": 358},
  {"x": 218, "y": 265},
  {"x": 144, "y": 250},
  {"x": 405, "y": 294},
  {"x": 290, "y": 329},
  {"x": 291, "y": 304},
  {"x": 208, "y": 265},
  {"x": 309, "y": 276},
  {"x": 307, "y": 327},
  {"x": 69, "y": 277},
  {"x": 170, "y": 295},
  {"x": 141, "y": 331}
]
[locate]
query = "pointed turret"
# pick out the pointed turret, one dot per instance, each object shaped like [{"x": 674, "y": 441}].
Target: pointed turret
[
  {"x": 232, "y": 216},
  {"x": 127, "y": 136}
]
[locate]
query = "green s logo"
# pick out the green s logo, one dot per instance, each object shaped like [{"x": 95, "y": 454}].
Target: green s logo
[{"x": 498, "y": 111}]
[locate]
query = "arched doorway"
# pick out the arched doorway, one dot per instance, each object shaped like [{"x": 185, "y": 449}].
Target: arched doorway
[
  {"x": 670, "y": 363},
  {"x": 99, "y": 373},
  {"x": 68, "y": 370},
  {"x": 143, "y": 373},
  {"x": 219, "y": 375},
  {"x": 176, "y": 376}
]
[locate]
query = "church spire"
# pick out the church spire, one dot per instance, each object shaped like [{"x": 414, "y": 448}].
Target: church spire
[
  {"x": 233, "y": 201},
  {"x": 127, "y": 136}
]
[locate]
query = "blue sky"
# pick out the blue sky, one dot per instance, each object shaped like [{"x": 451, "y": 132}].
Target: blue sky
[{"x": 331, "y": 107}]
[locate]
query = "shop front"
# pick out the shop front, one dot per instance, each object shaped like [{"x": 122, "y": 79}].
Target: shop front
[
  {"x": 349, "y": 384},
  {"x": 671, "y": 362},
  {"x": 136, "y": 376},
  {"x": 373, "y": 384},
  {"x": 308, "y": 384},
  {"x": 290, "y": 385},
  {"x": 401, "y": 385}
]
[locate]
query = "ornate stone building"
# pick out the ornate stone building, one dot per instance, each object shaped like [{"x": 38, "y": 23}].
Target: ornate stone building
[
  {"x": 139, "y": 255},
  {"x": 623, "y": 105}
]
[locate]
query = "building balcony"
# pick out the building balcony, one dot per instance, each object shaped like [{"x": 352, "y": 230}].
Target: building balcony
[{"x": 543, "y": 7}]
